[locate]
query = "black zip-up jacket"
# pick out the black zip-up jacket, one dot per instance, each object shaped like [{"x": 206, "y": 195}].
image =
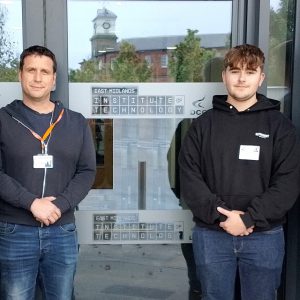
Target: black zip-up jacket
[
  {"x": 214, "y": 173},
  {"x": 69, "y": 180}
]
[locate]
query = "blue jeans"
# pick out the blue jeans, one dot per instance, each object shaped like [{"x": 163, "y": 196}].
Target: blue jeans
[
  {"x": 28, "y": 253},
  {"x": 258, "y": 257}
]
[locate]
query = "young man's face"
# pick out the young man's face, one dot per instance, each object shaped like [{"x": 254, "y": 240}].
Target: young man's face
[
  {"x": 242, "y": 83},
  {"x": 37, "y": 78}
]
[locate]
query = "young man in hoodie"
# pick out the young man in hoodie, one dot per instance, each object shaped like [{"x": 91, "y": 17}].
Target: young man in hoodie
[
  {"x": 239, "y": 174},
  {"x": 47, "y": 166}
]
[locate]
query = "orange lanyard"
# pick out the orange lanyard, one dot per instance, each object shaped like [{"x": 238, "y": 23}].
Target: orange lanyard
[{"x": 47, "y": 132}]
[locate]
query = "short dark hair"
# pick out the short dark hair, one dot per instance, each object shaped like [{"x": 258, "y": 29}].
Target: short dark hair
[
  {"x": 38, "y": 50},
  {"x": 249, "y": 55}
]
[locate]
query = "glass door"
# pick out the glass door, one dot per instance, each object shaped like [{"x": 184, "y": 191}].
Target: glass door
[{"x": 140, "y": 71}]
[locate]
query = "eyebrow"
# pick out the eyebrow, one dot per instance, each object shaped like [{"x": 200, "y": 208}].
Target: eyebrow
[
  {"x": 34, "y": 68},
  {"x": 247, "y": 68}
]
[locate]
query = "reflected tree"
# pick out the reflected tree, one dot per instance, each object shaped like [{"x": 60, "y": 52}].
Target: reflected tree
[
  {"x": 90, "y": 71},
  {"x": 187, "y": 61},
  {"x": 281, "y": 39},
  {"x": 8, "y": 63},
  {"x": 129, "y": 67}
]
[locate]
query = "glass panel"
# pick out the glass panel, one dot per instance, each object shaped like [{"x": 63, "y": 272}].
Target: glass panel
[
  {"x": 282, "y": 18},
  {"x": 10, "y": 39},
  {"x": 164, "y": 51},
  {"x": 141, "y": 71}
]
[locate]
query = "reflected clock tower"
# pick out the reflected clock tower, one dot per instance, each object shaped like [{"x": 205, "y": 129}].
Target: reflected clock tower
[{"x": 104, "y": 38}]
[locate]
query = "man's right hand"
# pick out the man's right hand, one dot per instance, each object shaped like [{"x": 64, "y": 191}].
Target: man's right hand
[{"x": 45, "y": 211}]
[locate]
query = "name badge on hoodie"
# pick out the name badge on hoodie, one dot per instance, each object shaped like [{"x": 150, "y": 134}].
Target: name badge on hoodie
[
  {"x": 249, "y": 152},
  {"x": 42, "y": 161}
]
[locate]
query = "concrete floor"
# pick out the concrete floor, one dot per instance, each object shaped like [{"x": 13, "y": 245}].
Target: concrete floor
[{"x": 131, "y": 272}]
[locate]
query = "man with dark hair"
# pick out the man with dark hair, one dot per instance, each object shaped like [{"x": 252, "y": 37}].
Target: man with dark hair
[
  {"x": 239, "y": 174},
  {"x": 47, "y": 166}
]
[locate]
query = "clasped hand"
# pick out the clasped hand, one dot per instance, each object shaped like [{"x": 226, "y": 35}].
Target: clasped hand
[
  {"x": 234, "y": 224},
  {"x": 45, "y": 211}
]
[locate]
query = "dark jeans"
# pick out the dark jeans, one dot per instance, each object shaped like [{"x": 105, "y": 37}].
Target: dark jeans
[{"x": 258, "y": 258}]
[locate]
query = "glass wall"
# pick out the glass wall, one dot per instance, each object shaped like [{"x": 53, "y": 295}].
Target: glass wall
[
  {"x": 280, "y": 81},
  {"x": 11, "y": 46},
  {"x": 281, "y": 41},
  {"x": 10, "y": 39},
  {"x": 140, "y": 70}
]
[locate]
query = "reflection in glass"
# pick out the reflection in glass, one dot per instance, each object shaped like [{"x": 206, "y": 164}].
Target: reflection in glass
[
  {"x": 282, "y": 16},
  {"x": 183, "y": 43},
  {"x": 10, "y": 39},
  {"x": 122, "y": 46}
]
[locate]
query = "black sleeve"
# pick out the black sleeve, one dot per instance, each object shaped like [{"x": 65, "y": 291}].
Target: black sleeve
[
  {"x": 194, "y": 190},
  {"x": 284, "y": 184}
]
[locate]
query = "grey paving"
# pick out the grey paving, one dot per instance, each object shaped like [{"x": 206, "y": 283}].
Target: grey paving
[{"x": 131, "y": 272}]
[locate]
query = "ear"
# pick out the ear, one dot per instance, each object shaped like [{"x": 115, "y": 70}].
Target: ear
[
  {"x": 54, "y": 83},
  {"x": 223, "y": 76},
  {"x": 262, "y": 77}
]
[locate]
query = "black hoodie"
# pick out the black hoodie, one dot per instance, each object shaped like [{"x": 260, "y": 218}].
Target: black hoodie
[
  {"x": 215, "y": 172},
  {"x": 69, "y": 180}
]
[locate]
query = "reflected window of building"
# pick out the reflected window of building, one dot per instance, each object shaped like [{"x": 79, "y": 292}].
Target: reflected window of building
[
  {"x": 10, "y": 39},
  {"x": 112, "y": 64},
  {"x": 164, "y": 61},
  {"x": 148, "y": 59}
]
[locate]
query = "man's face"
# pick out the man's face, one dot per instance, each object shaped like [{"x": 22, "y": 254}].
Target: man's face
[
  {"x": 242, "y": 83},
  {"x": 37, "y": 78}
]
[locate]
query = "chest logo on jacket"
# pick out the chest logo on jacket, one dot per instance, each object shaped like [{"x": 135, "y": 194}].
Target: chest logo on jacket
[{"x": 262, "y": 135}]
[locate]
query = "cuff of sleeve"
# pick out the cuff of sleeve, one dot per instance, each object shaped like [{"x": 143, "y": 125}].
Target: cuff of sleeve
[
  {"x": 248, "y": 221},
  {"x": 62, "y": 203},
  {"x": 222, "y": 218},
  {"x": 27, "y": 200},
  {"x": 220, "y": 203}
]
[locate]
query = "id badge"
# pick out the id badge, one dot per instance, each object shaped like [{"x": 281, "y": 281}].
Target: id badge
[
  {"x": 249, "y": 152},
  {"x": 42, "y": 161}
]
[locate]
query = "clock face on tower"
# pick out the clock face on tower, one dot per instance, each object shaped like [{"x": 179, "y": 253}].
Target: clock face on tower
[{"x": 106, "y": 25}]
